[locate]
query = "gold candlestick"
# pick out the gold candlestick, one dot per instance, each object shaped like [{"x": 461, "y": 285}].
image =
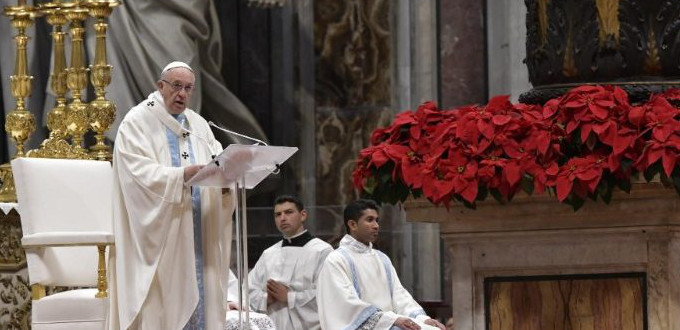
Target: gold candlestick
[
  {"x": 77, "y": 122},
  {"x": 56, "y": 146},
  {"x": 19, "y": 123},
  {"x": 101, "y": 111}
]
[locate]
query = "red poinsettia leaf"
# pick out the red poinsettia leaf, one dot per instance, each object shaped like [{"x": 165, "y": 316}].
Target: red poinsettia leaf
[
  {"x": 469, "y": 193},
  {"x": 486, "y": 129},
  {"x": 653, "y": 155},
  {"x": 571, "y": 126},
  {"x": 512, "y": 149},
  {"x": 411, "y": 173},
  {"x": 498, "y": 102},
  {"x": 585, "y": 132},
  {"x": 636, "y": 115},
  {"x": 553, "y": 169},
  {"x": 588, "y": 175},
  {"x": 379, "y": 158},
  {"x": 604, "y": 103},
  {"x": 575, "y": 104},
  {"x": 444, "y": 187},
  {"x": 592, "y": 184},
  {"x": 614, "y": 162},
  {"x": 550, "y": 108},
  {"x": 669, "y": 158},
  {"x": 564, "y": 186},
  {"x": 500, "y": 120},
  {"x": 512, "y": 172},
  {"x": 622, "y": 142},
  {"x": 607, "y": 137},
  {"x": 621, "y": 96},
  {"x": 661, "y": 133}
]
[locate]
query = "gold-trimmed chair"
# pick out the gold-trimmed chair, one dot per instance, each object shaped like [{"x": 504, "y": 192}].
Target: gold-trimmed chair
[{"x": 66, "y": 218}]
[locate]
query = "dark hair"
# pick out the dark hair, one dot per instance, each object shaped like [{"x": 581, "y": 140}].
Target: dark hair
[
  {"x": 289, "y": 199},
  {"x": 355, "y": 209}
]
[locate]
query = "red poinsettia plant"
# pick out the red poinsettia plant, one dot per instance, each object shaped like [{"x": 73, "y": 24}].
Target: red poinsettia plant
[{"x": 581, "y": 145}]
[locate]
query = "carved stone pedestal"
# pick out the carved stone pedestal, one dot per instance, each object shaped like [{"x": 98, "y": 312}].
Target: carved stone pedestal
[
  {"x": 535, "y": 238},
  {"x": 15, "y": 294}
]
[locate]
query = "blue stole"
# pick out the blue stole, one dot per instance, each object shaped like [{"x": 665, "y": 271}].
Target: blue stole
[{"x": 197, "y": 320}]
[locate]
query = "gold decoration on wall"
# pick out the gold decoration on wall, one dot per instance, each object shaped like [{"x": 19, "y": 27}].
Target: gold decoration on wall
[
  {"x": 77, "y": 121},
  {"x": 652, "y": 65},
  {"x": 569, "y": 64},
  {"x": 19, "y": 123},
  {"x": 101, "y": 111},
  {"x": 543, "y": 20},
  {"x": 608, "y": 18}
]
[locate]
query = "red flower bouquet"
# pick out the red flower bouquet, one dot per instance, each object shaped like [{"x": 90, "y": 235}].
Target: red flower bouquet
[{"x": 581, "y": 145}]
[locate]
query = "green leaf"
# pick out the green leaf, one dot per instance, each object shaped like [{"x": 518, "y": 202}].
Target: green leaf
[
  {"x": 497, "y": 196},
  {"x": 482, "y": 193},
  {"x": 576, "y": 202},
  {"x": 527, "y": 184},
  {"x": 624, "y": 185},
  {"x": 469, "y": 205},
  {"x": 370, "y": 185}
]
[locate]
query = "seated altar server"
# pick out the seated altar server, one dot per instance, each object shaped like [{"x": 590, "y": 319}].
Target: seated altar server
[
  {"x": 283, "y": 281},
  {"x": 171, "y": 260},
  {"x": 359, "y": 288}
]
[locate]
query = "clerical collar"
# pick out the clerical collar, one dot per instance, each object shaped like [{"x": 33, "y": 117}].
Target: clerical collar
[
  {"x": 298, "y": 240},
  {"x": 351, "y": 243}
]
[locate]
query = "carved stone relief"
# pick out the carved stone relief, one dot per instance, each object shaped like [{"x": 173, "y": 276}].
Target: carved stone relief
[
  {"x": 351, "y": 42},
  {"x": 629, "y": 42}
]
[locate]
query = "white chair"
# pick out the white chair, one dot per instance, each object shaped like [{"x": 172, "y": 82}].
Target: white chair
[{"x": 66, "y": 218}]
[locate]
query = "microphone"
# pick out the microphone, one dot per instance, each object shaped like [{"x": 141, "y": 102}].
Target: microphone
[
  {"x": 278, "y": 166},
  {"x": 237, "y": 134}
]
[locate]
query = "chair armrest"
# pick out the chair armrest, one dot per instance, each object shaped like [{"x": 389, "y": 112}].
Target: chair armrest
[{"x": 67, "y": 238}]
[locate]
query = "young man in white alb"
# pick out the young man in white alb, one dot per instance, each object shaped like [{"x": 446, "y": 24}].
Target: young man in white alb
[
  {"x": 283, "y": 281},
  {"x": 358, "y": 287}
]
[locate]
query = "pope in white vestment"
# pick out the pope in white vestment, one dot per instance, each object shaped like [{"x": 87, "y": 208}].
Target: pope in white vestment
[
  {"x": 156, "y": 265},
  {"x": 358, "y": 287},
  {"x": 291, "y": 265}
]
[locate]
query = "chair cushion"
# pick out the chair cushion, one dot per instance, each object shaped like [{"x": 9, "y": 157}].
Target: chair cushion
[{"x": 61, "y": 310}]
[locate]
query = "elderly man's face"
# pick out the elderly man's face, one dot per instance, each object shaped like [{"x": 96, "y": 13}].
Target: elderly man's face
[{"x": 176, "y": 87}]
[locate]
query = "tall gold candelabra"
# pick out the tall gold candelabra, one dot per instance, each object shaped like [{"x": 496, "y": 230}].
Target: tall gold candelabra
[
  {"x": 77, "y": 121},
  {"x": 20, "y": 123},
  {"x": 101, "y": 111},
  {"x": 56, "y": 146}
]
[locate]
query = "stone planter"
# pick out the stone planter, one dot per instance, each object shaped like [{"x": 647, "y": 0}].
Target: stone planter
[{"x": 531, "y": 236}]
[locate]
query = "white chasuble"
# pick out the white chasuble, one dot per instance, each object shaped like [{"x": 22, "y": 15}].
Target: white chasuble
[
  {"x": 298, "y": 268},
  {"x": 358, "y": 288},
  {"x": 153, "y": 272}
]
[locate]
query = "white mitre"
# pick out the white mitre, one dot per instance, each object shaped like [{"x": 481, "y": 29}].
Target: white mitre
[{"x": 174, "y": 65}]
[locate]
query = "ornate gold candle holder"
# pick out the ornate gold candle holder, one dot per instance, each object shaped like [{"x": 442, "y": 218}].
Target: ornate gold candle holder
[
  {"x": 19, "y": 123},
  {"x": 101, "y": 111},
  {"x": 77, "y": 121}
]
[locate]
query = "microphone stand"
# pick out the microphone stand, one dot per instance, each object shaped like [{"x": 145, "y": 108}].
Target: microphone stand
[{"x": 237, "y": 134}]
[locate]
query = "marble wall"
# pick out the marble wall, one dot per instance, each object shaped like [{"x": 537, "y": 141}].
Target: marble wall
[
  {"x": 506, "y": 48},
  {"x": 462, "y": 50}
]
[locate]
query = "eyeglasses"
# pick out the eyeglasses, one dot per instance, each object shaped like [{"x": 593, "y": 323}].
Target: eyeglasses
[{"x": 178, "y": 87}]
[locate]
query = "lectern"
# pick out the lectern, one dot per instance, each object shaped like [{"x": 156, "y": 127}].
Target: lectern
[{"x": 242, "y": 166}]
